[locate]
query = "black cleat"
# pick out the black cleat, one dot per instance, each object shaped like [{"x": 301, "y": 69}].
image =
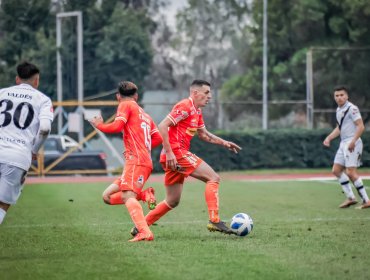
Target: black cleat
[
  {"x": 134, "y": 231},
  {"x": 220, "y": 226}
]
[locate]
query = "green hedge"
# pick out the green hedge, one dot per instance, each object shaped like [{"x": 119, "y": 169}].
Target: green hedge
[{"x": 270, "y": 149}]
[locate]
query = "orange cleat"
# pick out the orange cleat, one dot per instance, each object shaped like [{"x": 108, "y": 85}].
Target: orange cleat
[
  {"x": 364, "y": 205},
  {"x": 347, "y": 203},
  {"x": 143, "y": 236}
]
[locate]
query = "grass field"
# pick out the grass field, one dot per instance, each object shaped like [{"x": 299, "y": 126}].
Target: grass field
[{"x": 64, "y": 231}]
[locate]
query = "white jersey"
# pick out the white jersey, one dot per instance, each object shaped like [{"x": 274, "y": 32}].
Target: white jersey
[
  {"x": 346, "y": 117},
  {"x": 21, "y": 108}
]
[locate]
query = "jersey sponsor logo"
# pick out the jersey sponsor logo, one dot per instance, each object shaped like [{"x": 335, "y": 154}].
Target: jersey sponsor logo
[
  {"x": 191, "y": 131},
  {"x": 13, "y": 140}
]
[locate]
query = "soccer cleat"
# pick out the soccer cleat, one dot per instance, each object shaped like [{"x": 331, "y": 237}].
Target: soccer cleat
[
  {"x": 134, "y": 231},
  {"x": 149, "y": 197},
  {"x": 220, "y": 226},
  {"x": 348, "y": 202},
  {"x": 143, "y": 236},
  {"x": 364, "y": 205}
]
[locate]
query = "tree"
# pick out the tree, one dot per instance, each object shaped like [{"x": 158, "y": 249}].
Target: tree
[
  {"x": 294, "y": 27},
  {"x": 24, "y": 26},
  {"x": 207, "y": 44},
  {"x": 208, "y": 30},
  {"x": 125, "y": 50},
  {"x": 116, "y": 42}
]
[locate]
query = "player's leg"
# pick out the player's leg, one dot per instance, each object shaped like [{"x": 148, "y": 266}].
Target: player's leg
[
  {"x": 3, "y": 209},
  {"x": 352, "y": 161},
  {"x": 357, "y": 182},
  {"x": 132, "y": 183},
  {"x": 205, "y": 173},
  {"x": 137, "y": 215},
  {"x": 112, "y": 195},
  {"x": 173, "y": 196},
  {"x": 11, "y": 185},
  {"x": 174, "y": 182},
  {"x": 338, "y": 171}
]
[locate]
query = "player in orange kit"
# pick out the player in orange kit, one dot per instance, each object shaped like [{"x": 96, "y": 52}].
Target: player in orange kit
[
  {"x": 177, "y": 130},
  {"x": 140, "y": 135}
]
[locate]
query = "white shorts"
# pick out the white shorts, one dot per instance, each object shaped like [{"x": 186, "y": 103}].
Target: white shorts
[
  {"x": 11, "y": 183},
  {"x": 345, "y": 158}
]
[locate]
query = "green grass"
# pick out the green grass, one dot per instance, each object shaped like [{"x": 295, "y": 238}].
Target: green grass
[
  {"x": 299, "y": 233},
  {"x": 293, "y": 171}
]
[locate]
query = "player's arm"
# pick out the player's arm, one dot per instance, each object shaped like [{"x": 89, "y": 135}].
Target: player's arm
[
  {"x": 360, "y": 128},
  {"x": 171, "y": 161},
  {"x": 207, "y": 136},
  {"x": 156, "y": 138},
  {"x": 42, "y": 134},
  {"x": 334, "y": 134},
  {"x": 113, "y": 127}
]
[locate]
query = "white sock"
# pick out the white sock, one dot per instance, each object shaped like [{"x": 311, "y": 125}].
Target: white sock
[
  {"x": 2, "y": 215},
  {"x": 346, "y": 186},
  {"x": 361, "y": 190}
]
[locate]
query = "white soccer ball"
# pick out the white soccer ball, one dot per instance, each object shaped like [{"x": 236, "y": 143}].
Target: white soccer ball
[{"x": 241, "y": 224}]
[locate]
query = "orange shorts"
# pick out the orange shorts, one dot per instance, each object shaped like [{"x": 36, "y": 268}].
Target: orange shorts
[
  {"x": 133, "y": 178},
  {"x": 186, "y": 165}
]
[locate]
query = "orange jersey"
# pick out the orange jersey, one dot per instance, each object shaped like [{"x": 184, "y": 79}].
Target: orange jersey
[
  {"x": 186, "y": 121},
  {"x": 137, "y": 133}
]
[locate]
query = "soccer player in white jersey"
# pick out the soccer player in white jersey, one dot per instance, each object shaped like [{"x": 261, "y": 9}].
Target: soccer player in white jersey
[
  {"x": 25, "y": 122},
  {"x": 348, "y": 157}
]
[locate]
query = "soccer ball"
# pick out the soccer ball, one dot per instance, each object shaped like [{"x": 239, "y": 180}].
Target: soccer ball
[{"x": 241, "y": 224}]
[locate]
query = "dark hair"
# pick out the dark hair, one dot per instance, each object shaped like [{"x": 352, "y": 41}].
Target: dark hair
[
  {"x": 338, "y": 88},
  {"x": 200, "y": 83},
  {"x": 127, "y": 88},
  {"x": 27, "y": 70}
]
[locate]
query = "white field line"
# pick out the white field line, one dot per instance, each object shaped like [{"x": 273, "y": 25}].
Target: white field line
[
  {"x": 323, "y": 178},
  {"x": 293, "y": 220}
]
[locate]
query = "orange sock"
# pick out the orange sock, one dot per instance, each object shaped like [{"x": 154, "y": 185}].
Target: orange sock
[
  {"x": 116, "y": 198},
  {"x": 211, "y": 195},
  {"x": 137, "y": 215},
  {"x": 160, "y": 210}
]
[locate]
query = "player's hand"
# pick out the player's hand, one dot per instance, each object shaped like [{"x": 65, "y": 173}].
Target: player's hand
[
  {"x": 326, "y": 142},
  {"x": 95, "y": 121},
  {"x": 34, "y": 156},
  {"x": 232, "y": 146},
  {"x": 171, "y": 161},
  {"x": 351, "y": 146}
]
